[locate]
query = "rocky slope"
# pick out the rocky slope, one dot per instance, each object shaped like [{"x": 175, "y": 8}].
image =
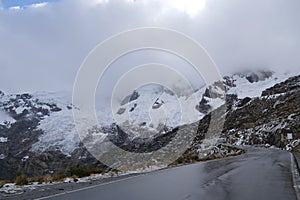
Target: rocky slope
[
  {"x": 267, "y": 119},
  {"x": 38, "y": 136}
]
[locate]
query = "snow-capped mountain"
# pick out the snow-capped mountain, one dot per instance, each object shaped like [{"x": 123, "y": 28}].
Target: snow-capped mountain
[
  {"x": 38, "y": 135},
  {"x": 156, "y": 108},
  {"x": 250, "y": 84}
]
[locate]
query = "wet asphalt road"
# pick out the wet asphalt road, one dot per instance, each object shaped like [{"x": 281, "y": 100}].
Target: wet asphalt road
[{"x": 260, "y": 174}]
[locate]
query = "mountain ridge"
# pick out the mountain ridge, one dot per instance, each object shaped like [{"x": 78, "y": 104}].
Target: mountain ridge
[{"x": 40, "y": 137}]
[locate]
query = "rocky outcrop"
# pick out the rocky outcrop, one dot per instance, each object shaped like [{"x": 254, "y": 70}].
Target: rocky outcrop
[{"x": 134, "y": 96}]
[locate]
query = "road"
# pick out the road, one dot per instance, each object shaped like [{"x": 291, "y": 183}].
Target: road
[{"x": 260, "y": 174}]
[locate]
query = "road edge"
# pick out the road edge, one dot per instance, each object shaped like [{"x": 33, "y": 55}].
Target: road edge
[{"x": 295, "y": 175}]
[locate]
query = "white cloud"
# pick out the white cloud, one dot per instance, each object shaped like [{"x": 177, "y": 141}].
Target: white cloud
[
  {"x": 15, "y": 8},
  {"x": 42, "y": 47},
  {"x": 190, "y": 7},
  {"x": 38, "y": 5}
]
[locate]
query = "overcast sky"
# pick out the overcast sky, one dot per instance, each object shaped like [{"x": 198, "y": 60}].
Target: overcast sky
[{"x": 43, "y": 45}]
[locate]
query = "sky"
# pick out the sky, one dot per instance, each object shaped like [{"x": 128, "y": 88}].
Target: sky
[
  {"x": 43, "y": 44},
  {"x": 22, "y": 3}
]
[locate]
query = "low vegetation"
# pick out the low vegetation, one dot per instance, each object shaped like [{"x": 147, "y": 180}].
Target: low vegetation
[
  {"x": 21, "y": 180},
  {"x": 83, "y": 171},
  {"x": 74, "y": 172},
  {"x": 3, "y": 182}
]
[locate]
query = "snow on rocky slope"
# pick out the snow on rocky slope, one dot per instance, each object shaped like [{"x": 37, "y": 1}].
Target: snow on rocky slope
[
  {"x": 59, "y": 131},
  {"x": 251, "y": 84},
  {"x": 42, "y": 122},
  {"x": 152, "y": 107},
  {"x": 155, "y": 106},
  {"x": 5, "y": 119}
]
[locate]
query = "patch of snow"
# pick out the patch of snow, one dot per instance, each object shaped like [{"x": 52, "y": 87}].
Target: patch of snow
[
  {"x": 273, "y": 96},
  {"x": 240, "y": 140},
  {"x": 68, "y": 180},
  {"x": 59, "y": 133},
  {"x": 25, "y": 158},
  {"x": 25, "y": 139},
  {"x": 191, "y": 114},
  {"x": 19, "y": 109},
  {"x": 173, "y": 112},
  {"x": 61, "y": 98},
  {"x": 92, "y": 177},
  {"x": 215, "y": 102},
  {"x": 290, "y": 117},
  {"x": 277, "y": 103},
  {"x": 144, "y": 170},
  {"x": 2, "y": 156},
  {"x": 59, "y": 128},
  {"x": 5, "y": 118},
  {"x": 11, "y": 188},
  {"x": 246, "y": 89},
  {"x": 3, "y": 139}
]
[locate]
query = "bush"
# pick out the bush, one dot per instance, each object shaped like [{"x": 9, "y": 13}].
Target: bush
[
  {"x": 48, "y": 179},
  {"x": 21, "y": 180},
  {"x": 59, "y": 177},
  {"x": 80, "y": 171}
]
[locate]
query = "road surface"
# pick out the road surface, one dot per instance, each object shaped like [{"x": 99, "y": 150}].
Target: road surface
[{"x": 260, "y": 174}]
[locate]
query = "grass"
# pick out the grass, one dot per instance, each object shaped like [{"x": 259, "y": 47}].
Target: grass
[
  {"x": 74, "y": 172},
  {"x": 3, "y": 182},
  {"x": 21, "y": 180}
]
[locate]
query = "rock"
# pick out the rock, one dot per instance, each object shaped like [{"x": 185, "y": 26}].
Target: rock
[
  {"x": 243, "y": 102},
  {"x": 157, "y": 104},
  {"x": 132, "y": 109},
  {"x": 203, "y": 106},
  {"x": 121, "y": 111},
  {"x": 135, "y": 95}
]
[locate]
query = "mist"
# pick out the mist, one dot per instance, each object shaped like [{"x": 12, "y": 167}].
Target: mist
[{"x": 43, "y": 47}]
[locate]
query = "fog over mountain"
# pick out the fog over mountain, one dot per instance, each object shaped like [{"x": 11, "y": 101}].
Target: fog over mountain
[{"x": 43, "y": 46}]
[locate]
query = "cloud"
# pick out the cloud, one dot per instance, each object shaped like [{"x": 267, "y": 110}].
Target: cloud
[
  {"x": 43, "y": 47},
  {"x": 38, "y": 5}
]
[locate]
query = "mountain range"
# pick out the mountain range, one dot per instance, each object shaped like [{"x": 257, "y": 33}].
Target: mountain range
[{"x": 38, "y": 134}]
